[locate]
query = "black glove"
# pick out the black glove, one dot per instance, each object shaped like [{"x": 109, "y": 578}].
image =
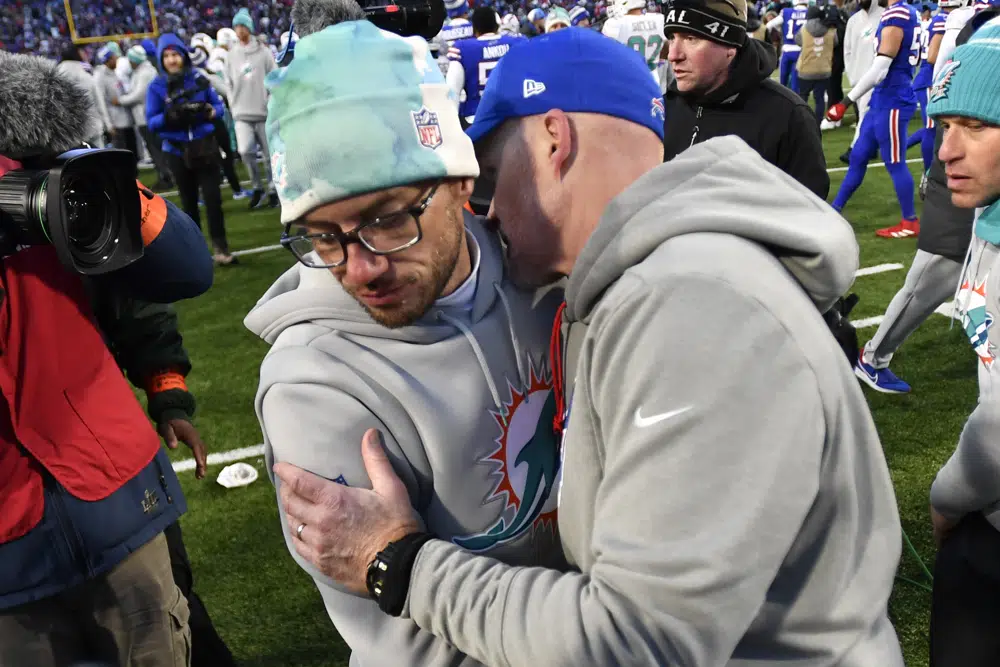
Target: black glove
[
  {"x": 174, "y": 116},
  {"x": 841, "y": 328}
]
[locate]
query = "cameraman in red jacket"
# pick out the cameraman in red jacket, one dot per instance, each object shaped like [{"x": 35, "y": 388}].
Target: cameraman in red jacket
[{"x": 85, "y": 487}]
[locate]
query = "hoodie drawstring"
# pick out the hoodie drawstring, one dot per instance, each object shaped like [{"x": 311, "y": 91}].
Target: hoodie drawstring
[
  {"x": 558, "y": 386},
  {"x": 478, "y": 351},
  {"x": 966, "y": 265},
  {"x": 521, "y": 373}
]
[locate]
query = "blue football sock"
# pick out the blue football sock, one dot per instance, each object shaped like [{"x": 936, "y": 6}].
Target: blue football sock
[
  {"x": 852, "y": 179},
  {"x": 927, "y": 148},
  {"x": 902, "y": 181}
]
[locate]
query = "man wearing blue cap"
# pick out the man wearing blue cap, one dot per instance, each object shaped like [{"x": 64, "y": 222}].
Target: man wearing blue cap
[{"x": 742, "y": 517}]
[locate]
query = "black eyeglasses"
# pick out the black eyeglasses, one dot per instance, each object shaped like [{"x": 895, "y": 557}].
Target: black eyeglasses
[{"x": 384, "y": 235}]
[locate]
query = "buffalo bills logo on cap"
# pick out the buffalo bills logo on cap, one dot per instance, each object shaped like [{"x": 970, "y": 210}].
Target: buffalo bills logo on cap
[
  {"x": 428, "y": 128},
  {"x": 657, "y": 110}
]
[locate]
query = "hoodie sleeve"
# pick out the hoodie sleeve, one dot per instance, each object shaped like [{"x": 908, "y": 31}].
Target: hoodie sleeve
[
  {"x": 137, "y": 93},
  {"x": 216, "y": 101},
  {"x": 970, "y": 480},
  {"x": 800, "y": 152},
  {"x": 155, "y": 101},
  {"x": 670, "y": 582},
  {"x": 313, "y": 412},
  {"x": 101, "y": 102}
]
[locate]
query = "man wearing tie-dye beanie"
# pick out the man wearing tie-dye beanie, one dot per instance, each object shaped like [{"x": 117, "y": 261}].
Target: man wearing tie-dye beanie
[
  {"x": 965, "y": 611},
  {"x": 399, "y": 316}
]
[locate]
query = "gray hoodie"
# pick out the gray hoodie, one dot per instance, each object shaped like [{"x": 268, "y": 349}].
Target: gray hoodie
[
  {"x": 970, "y": 480},
  {"x": 725, "y": 498},
  {"x": 465, "y": 403},
  {"x": 135, "y": 99},
  {"x": 111, "y": 87},
  {"x": 246, "y": 68},
  {"x": 99, "y": 119}
]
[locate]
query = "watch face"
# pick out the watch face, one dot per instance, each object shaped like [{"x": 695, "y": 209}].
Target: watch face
[{"x": 375, "y": 578}]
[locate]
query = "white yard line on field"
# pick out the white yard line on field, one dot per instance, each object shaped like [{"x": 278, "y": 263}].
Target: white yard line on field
[
  {"x": 223, "y": 457},
  {"x": 878, "y": 268},
  {"x": 263, "y": 248},
  {"x": 868, "y": 322},
  {"x": 837, "y": 170}
]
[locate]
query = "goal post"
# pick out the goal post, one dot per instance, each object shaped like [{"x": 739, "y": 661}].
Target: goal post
[{"x": 81, "y": 41}]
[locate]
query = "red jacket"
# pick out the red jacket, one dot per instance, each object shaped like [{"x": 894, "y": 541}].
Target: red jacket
[{"x": 66, "y": 406}]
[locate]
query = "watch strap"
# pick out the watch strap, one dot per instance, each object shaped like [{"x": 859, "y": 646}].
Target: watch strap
[{"x": 388, "y": 577}]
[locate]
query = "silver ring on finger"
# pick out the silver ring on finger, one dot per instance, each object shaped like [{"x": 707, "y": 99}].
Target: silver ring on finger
[{"x": 298, "y": 531}]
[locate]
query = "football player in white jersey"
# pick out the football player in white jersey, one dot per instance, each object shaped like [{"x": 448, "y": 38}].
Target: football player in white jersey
[
  {"x": 964, "y": 10},
  {"x": 629, "y": 23}
]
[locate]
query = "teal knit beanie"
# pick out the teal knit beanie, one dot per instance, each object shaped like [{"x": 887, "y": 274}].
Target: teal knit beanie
[
  {"x": 358, "y": 110},
  {"x": 967, "y": 84},
  {"x": 243, "y": 18}
]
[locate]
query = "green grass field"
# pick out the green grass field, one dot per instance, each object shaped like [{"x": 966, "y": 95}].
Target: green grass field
[{"x": 267, "y": 609}]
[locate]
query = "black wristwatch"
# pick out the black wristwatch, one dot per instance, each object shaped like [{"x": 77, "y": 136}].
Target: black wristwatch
[{"x": 388, "y": 577}]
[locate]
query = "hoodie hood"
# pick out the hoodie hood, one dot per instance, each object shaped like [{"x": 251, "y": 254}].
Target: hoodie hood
[
  {"x": 171, "y": 41},
  {"x": 304, "y": 294},
  {"x": 754, "y": 62},
  {"x": 721, "y": 186},
  {"x": 253, "y": 46}
]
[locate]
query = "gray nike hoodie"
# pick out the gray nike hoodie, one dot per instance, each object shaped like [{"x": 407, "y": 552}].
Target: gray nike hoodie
[
  {"x": 725, "y": 499},
  {"x": 464, "y": 400}
]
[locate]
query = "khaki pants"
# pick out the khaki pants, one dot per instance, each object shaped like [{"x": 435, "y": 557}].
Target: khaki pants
[{"x": 132, "y": 616}]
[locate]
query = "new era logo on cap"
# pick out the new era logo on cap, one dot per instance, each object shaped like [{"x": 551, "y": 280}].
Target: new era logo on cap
[{"x": 532, "y": 88}]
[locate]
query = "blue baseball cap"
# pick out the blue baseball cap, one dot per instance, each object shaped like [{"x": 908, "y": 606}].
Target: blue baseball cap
[{"x": 575, "y": 70}]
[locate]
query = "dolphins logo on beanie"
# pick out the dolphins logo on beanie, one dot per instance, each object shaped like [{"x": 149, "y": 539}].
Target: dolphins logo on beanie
[{"x": 967, "y": 84}]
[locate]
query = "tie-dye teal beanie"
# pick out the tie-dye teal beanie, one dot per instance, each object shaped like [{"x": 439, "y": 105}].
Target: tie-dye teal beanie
[{"x": 358, "y": 110}]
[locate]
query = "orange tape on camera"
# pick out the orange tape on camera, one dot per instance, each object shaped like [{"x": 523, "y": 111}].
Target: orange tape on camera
[
  {"x": 154, "y": 214},
  {"x": 165, "y": 382}
]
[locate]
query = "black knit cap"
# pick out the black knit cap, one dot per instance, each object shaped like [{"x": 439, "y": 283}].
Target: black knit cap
[{"x": 722, "y": 21}]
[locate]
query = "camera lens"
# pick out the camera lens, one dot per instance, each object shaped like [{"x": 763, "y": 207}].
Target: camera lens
[{"x": 89, "y": 223}]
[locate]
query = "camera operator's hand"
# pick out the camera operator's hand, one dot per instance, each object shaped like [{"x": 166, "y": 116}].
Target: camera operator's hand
[
  {"x": 175, "y": 116},
  {"x": 182, "y": 430}
]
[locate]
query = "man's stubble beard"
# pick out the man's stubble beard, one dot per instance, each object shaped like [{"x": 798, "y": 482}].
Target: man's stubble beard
[{"x": 443, "y": 262}]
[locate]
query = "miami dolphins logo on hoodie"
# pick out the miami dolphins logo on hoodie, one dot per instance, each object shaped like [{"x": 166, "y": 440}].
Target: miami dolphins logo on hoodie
[
  {"x": 526, "y": 460},
  {"x": 977, "y": 321}
]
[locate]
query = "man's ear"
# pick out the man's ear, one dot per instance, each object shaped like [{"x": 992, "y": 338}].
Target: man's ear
[
  {"x": 461, "y": 189},
  {"x": 560, "y": 140}
]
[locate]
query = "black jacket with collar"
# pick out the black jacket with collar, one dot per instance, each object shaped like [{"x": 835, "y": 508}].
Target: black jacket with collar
[{"x": 772, "y": 119}]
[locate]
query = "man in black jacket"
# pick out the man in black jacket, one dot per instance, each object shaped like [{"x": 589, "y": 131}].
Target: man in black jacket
[{"x": 723, "y": 87}]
